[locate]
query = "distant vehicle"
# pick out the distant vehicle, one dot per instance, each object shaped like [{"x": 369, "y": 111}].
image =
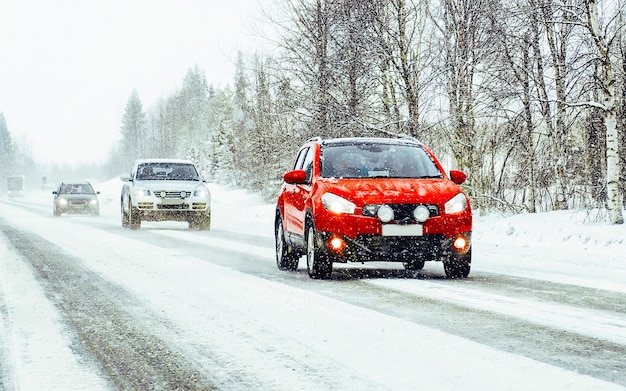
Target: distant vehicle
[
  {"x": 372, "y": 199},
  {"x": 75, "y": 198},
  {"x": 15, "y": 185},
  {"x": 165, "y": 190}
]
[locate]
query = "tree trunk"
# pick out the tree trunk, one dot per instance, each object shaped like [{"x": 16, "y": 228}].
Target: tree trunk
[{"x": 613, "y": 198}]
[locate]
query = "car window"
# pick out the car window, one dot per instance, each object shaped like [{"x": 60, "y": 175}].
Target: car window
[
  {"x": 375, "y": 160},
  {"x": 167, "y": 171},
  {"x": 76, "y": 188},
  {"x": 307, "y": 165},
  {"x": 299, "y": 163}
]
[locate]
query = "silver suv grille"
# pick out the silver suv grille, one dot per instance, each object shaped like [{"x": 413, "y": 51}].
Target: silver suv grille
[{"x": 172, "y": 194}]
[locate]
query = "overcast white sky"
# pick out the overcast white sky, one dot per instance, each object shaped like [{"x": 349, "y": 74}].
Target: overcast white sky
[{"x": 68, "y": 67}]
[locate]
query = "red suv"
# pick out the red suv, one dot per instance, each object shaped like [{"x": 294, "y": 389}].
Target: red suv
[{"x": 372, "y": 199}]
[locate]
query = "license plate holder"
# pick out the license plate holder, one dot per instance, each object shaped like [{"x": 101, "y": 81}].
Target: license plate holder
[{"x": 403, "y": 230}]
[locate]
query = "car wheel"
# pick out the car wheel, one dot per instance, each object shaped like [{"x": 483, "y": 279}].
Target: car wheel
[
  {"x": 134, "y": 217},
  {"x": 286, "y": 258},
  {"x": 416, "y": 264},
  {"x": 125, "y": 219},
  {"x": 318, "y": 263},
  {"x": 458, "y": 266}
]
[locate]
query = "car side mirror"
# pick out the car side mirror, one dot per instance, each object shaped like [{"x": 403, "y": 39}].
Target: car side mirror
[
  {"x": 457, "y": 176},
  {"x": 54, "y": 192},
  {"x": 125, "y": 178},
  {"x": 295, "y": 177}
]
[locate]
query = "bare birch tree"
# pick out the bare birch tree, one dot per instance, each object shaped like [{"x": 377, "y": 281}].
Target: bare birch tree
[{"x": 604, "y": 46}]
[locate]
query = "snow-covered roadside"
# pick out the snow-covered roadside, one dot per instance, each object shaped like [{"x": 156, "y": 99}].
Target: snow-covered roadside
[{"x": 34, "y": 343}]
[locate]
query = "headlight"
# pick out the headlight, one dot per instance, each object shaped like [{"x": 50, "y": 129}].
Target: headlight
[
  {"x": 457, "y": 204},
  {"x": 142, "y": 192},
  {"x": 62, "y": 201},
  {"x": 93, "y": 202},
  {"x": 336, "y": 204},
  {"x": 201, "y": 192}
]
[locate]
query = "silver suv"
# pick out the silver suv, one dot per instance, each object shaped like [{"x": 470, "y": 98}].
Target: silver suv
[{"x": 165, "y": 190}]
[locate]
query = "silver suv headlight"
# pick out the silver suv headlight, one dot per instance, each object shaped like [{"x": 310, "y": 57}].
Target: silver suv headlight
[
  {"x": 201, "y": 192},
  {"x": 142, "y": 192},
  {"x": 336, "y": 204},
  {"x": 456, "y": 204}
]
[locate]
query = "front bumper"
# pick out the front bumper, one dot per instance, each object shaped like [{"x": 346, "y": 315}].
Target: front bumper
[
  {"x": 156, "y": 204},
  {"x": 365, "y": 248},
  {"x": 364, "y": 240},
  {"x": 77, "y": 207},
  {"x": 172, "y": 209}
]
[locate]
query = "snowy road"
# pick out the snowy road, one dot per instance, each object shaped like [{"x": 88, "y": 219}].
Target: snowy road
[{"x": 85, "y": 304}]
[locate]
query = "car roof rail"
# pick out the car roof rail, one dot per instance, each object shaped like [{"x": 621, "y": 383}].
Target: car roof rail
[
  {"x": 316, "y": 138},
  {"x": 404, "y": 136}
]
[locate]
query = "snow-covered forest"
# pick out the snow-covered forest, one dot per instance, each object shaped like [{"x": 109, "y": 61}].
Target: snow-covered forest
[{"x": 527, "y": 96}]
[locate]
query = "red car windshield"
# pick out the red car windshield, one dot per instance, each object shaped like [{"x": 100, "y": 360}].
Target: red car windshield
[{"x": 377, "y": 160}]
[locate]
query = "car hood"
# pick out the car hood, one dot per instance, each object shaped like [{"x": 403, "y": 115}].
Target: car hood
[
  {"x": 169, "y": 185},
  {"x": 393, "y": 191},
  {"x": 78, "y": 197}
]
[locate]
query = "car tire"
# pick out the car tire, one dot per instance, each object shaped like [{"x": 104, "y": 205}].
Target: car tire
[
  {"x": 318, "y": 263},
  {"x": 134, "y": 217},
  {"x": 125, "y": 219},
  {"x": 286, "y": 257},
  {"x": 458, "y": 266},
  {"x": 416, "y": 264}
]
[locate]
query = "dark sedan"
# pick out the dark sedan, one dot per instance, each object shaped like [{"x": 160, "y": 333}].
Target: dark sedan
[{"x": 75, "y": 198}]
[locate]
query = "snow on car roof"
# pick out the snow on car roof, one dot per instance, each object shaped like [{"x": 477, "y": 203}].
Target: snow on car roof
[
  {"x": 163, "y": 160},
  {"x": 363, "y": 140}
]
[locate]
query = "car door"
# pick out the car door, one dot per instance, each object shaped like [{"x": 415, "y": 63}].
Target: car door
[{"x": 296, "y": 195}]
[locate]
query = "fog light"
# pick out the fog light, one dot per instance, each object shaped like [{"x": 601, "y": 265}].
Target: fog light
[
  {"x": 460, "y": 243},
  {"x": 336, "y": 244},
  {"x": 385, "y": 213},
  {"x": 421, "y": 213}
]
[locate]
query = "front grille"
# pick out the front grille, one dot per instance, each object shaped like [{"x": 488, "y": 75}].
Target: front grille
[
  {"x": 171, "y": 193},
  {"x": 375, "y": 247},
  {"x": 403, "y": 213},
  {"x": 78, "y": 203},
  {"x": 199, "y": 205}
]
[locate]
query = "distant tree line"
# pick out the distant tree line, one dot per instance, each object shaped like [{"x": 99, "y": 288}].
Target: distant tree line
[
  {"x": 526, "y": 96},
  {"x": 6, "y": 152}
]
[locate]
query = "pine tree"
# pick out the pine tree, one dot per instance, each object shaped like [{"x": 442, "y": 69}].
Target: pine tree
[
  {"x": 134, "y": 145},
  {"x": 6, "y": 148}
]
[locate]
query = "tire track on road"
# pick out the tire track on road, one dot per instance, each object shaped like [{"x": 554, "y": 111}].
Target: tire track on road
[{"x": 131, "y": 356}]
